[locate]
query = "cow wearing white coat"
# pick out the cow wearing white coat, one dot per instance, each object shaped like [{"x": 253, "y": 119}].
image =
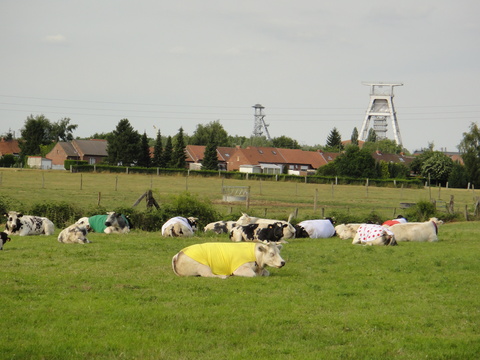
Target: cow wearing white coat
[
  {"x": 417, "y": 231},
  {"x": 315, "y": 229},
  {"x": 180, "y": 227}
]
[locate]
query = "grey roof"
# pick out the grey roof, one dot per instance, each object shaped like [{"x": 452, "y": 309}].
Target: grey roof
[
  {"x": 91, "y": 147},
  {"x": 68, "y": 148}
]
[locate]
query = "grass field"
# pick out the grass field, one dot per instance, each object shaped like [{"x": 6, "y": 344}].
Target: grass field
[{"x": 117, "y": 298}]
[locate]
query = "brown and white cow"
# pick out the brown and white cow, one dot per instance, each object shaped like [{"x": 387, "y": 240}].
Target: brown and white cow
[
  {"x": 180, "y": 227},
  {"x": 3, "y": 239},
  {"x": 222, "y": 260},
  {"x": 23, "y": 225},
  {"x": 417, "y": 231},
  {"x": 372, "y": 234},
  {"x": 74, "y": 234}
]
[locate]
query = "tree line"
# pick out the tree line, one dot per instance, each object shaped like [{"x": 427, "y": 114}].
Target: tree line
[{"x": 126, "y": 146}]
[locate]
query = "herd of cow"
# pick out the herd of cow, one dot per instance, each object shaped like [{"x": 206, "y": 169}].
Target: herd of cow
[{"x": 256, "y": 242}]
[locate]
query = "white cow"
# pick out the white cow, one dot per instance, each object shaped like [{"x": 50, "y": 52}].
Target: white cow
[
  {"x": 417, "y": 231},
  {"x": 288, "y": 230},
  {"x": 315, "y": 229},
  {"x": 74, "y": 234},
  {"x": 226, "y": 259},
  {"x": 180, "y": 227},
  {"x": 346, "y": 231},
  {"x": 372, "y": 234},
  {"x": 23, "y": 225}
]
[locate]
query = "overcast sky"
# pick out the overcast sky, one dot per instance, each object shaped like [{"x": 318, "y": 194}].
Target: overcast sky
[{"x": 173, "y": 64}]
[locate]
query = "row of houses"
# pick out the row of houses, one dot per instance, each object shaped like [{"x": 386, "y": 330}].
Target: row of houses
[{"x": 251, "y": 159}]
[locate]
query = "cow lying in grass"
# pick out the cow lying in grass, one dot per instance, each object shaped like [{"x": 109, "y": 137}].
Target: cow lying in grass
[
  {"x": 74, "y": 234},
  {"x": 315, "y": 229},
  {"x": 110, "y": 223},
  {"x": 180, "y": 227},
  {"x": 288, "y": 229},
  {"x": 263, "y": 232},
  {"x": 220, "y": 227},
  {"x": 23, "y": 225},
  {"x": 417, "y": 231},
  {"x": 226, "y": 259},
  {"x": 371, "y": 234},
  {"x": 3, "y": 239},
  {"x": 346, "y": 231}
]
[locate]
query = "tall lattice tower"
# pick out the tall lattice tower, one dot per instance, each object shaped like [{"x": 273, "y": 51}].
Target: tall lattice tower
[
  {"x": 380, "y": 109},
  {"x": 259, "y": 124}
]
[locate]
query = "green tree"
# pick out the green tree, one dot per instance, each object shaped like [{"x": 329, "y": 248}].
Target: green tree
[
  {"x": 284, "y": 142},
  {"x": 36, "y": 132},
  {"x": 178, "y": 155},
  {"x": 210, "y": 158},
  {"x": 385, "y": 146},
  {"x": 123, "y": 145},
  {"x": 470, "y": 149},
  {"x": 202, "y": 134},
  {"x": 372, "y": 136},
  {"x": 167, "y": 153},
  {"x": 438, "y": 166},
  {"x": 144, "y": 158},
  {"x": 334, "y": 141},
  {"x": 158, "y": 152},
  {"x": 458, "y": 176},
  {"x": 354, "y": 137},
  {"x": 62, "y": 130},
  {"x": 356, "y": 162}
]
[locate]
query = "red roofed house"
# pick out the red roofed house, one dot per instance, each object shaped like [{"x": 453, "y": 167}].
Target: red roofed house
[
  {"x": 9, "y": 147},
  {"x": 94, "y": 151}
]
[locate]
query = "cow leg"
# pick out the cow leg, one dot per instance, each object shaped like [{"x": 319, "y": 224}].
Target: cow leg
[
  {"x": 247, "y": 270},
  {"x": 184, "y": 265}
]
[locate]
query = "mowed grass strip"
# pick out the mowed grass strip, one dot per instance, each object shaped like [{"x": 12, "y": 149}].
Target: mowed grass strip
[{"x": 117, "y": 298}]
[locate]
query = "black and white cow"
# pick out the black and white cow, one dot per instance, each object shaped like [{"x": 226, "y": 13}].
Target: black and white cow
[
  {"x": 180, "y": 227},
  {"x": 315, "y": 229},
  {"x": 3, "y": 239},
  {"x": 23, "y": 225},
  {"x": 288, "y": 229},
  {"x": 220, "y": 227},
  {"x": 251, "y": 232},
  {"x": 74, "y": 234},
  {"x": 110, "y": 223}
]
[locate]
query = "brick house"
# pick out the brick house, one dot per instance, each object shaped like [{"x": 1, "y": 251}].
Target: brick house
[
  {"x": 94, "y": 151},
  {"x": 9, "y": 147}
]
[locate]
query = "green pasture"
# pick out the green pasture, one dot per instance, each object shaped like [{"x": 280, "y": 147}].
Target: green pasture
[
  {"x": 117, "y": 298},
  {"x": 274, "y": 199}
]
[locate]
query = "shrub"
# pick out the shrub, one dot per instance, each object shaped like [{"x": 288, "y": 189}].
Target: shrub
[
  {"x": 187, "y": 205},
  {"x": 421, "y": 211},
  {"x": 61, "y": 214}
]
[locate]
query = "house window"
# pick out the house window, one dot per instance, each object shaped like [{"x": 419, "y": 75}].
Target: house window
[{"x": 91, "y": 161}]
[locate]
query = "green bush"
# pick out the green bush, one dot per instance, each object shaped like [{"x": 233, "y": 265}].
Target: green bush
[
  {"x": 68, "y": 163},
  {"x": 421, "y": 211},
  {"x": 187, "y": 205},
  {"x": 62, "y": 214}
]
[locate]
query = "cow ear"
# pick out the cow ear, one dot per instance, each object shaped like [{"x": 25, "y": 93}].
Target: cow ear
[
  {"x": 279, "y": 246},
  {"x": 262, "y": 248}
]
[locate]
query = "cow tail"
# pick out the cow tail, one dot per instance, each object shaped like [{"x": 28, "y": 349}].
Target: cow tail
[{"x": 174, "y": 264}]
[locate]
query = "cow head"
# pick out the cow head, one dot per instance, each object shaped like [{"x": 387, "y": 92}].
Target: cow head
[
  {"x": 269, "y": 255},
  {"x": 300, "y": 232},
  {"x": 193, "y": 222},
  {"x": 389, "y": 240},
  {"x": 116, "y": 220},
  {"x": 13, "y": 221}
]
